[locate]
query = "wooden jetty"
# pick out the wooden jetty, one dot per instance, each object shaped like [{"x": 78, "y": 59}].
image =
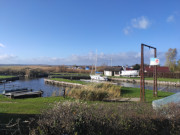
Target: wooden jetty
[
  {"x": 61, "y": 83},
  {"x": 16, "y": 90},
  {"x": 24, "y": 94}
]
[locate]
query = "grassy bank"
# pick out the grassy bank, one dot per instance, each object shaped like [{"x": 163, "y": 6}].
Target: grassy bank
[
  {"x": 36, "y": 105},
  {"x": 27, "y": 106},
  {"x": 67, "y": 80},
  {"x": 5, "y": 77},
  {"x": 135, "y": 92},
  {"x": 159, "y": 79}
]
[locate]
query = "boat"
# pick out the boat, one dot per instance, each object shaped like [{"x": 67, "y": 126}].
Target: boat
[{"x": 96, "y": 76}]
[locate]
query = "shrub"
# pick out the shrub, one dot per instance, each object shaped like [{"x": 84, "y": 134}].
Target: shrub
[{"x": 104, "y": 119}]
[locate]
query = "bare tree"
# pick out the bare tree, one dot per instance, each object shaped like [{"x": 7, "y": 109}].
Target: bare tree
[{"x": 171, "y": 58}]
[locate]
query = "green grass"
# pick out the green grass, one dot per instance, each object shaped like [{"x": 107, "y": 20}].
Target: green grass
[
  {"x": 68, "y": 74},
  {"x": 67, "y": 80},
  {"x": 159, "y": 79},
  {"x": 36, "y": 105},
  {"x": 4, "y": 76},
  {"x": 28, "y": 105},
  {"x": 135, "y": 92}
]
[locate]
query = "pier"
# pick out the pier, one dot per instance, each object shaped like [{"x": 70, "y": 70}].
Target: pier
[
  {"x": 61, "y": 83},
  {"x": 24, "y": 94}
]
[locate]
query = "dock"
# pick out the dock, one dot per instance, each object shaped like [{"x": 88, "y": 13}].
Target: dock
[
  {"x": 16, "y": 90},
  {"x": 24, "y": 94},
  {"x": 61, "y": 83}
]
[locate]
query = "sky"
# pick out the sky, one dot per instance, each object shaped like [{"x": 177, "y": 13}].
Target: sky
[{"x": 68, "y": 32}]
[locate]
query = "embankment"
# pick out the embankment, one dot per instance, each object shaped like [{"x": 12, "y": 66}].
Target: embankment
[
  {"x": 61, "y": 83},
  {"x": 166, "y": 83}
]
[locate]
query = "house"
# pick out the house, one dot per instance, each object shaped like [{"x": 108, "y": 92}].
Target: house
[
  {"x": 113, "y": 71},
  {"x": 150, "y": 69}
]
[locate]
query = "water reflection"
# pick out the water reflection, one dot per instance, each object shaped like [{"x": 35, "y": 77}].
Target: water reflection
[
  {"x": 35, "y": 84},
  {"x": 150, "y": 86},
  {"x": 53, "y": 90}
]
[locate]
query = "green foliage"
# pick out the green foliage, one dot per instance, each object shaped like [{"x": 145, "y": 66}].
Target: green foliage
[
  {"x": 105, "y": 119},
  {"x": 171, "y": 58},
  {"x": 136, "y": 67}
]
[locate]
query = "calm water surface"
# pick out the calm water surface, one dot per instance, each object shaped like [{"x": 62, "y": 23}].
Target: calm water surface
[
  {"x": 150, "y": 86},
  {"x": 49, "y": 90},
  {"x": 35, "y": 84}
]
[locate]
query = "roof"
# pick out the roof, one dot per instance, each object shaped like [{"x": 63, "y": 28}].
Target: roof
[
  {"x": 113, "y": 69},
  {"x": 159, "y": 69}
]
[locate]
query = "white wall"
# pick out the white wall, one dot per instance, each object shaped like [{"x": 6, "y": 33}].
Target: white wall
[{"x": 108, "y": 73}]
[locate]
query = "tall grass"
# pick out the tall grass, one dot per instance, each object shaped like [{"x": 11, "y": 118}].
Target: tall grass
[{"x": 96, "y": 92}]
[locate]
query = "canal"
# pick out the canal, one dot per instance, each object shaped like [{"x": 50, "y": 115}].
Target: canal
[{"x": 53, "y": 90}]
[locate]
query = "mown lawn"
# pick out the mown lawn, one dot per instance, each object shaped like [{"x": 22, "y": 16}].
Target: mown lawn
[
  {"x": 67, "y": 80},
  {"x": 4, "y": 76},
  {"x": 135, "y": 92},
  {"x": 28, "y": 105}
]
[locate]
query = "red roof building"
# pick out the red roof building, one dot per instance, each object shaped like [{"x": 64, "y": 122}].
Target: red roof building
[{"x": 159, "y": 69}]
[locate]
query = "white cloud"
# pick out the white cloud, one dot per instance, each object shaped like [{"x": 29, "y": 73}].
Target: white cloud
[
  {"x": 137, "y": 23},
  {"x": 127, "y": 30},
  {"x": 1, "y": 45},
  {"x": 170, "y": 18},
  {"x": 140, "y": 23}
]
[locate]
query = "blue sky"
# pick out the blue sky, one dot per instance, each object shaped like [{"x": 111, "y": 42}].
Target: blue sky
[{"x": 70, "y": 31}]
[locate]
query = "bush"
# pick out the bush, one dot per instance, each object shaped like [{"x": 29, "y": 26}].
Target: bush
[
  {"x": 96, "y": 92},
  {"x": 105, "y": 119}
]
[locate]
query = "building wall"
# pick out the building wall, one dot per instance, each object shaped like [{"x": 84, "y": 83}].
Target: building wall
[{"x": 108, "y": 73}]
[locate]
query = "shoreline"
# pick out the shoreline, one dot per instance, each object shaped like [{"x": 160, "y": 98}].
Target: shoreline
[{"x": 166, "y": 83}]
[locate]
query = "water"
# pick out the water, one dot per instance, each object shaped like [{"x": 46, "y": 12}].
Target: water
[
  {"x": 150, "y": 86},
  {"x": 49, "y": 90},
  {"x": 36, "y": 85}
]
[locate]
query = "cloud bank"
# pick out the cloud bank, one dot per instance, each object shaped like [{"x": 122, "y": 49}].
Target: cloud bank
[{"x": 125, "y": 58}]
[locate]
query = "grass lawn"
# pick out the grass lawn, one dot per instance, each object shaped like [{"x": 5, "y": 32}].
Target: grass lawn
[
  {"x": 36, "y": 105},
  {"x": 67, "y": 80},
  {"x": 78, "y": 74},
  {"x": 28, "y": 105},
  {"x": 4, "y": 76},
  {"x": 135, "y": 92},
  {"x": 159, "y": 79}
]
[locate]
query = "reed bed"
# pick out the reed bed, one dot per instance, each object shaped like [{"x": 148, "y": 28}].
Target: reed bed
[{"x": 95, "y": 92}]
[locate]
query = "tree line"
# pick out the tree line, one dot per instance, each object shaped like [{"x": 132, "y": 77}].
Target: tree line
[{"x": 171, "y": 60}]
